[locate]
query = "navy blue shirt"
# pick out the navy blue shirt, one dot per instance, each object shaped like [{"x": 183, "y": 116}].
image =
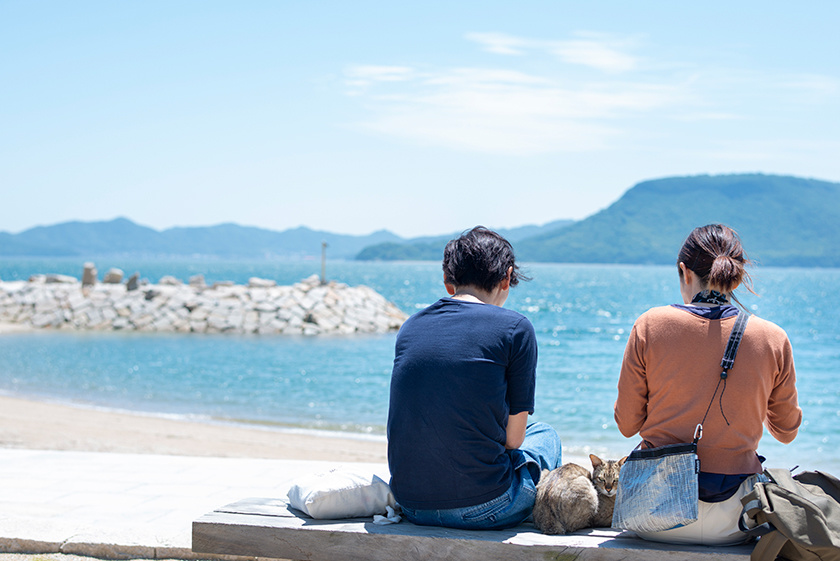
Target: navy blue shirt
[{"x": 460, "y": 369}]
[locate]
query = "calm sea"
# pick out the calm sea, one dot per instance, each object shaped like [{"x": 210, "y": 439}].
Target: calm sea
[{"x": 582, "y": 314}]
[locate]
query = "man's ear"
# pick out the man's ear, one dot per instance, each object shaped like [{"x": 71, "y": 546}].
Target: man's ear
[
  {"x": 450, "y": 288},
  {"x": 506, "y": 280}
]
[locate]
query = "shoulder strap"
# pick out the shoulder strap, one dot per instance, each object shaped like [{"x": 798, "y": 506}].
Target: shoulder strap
[
  {"x": 726, "y": 363},
  {"x": 734, "y": 340},
  {"x": 752, "y": 520},
  {"x": 769, "y": 546},
  {"x": 781, "y": 477}
]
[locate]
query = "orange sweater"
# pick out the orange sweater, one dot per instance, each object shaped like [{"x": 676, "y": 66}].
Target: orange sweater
[{"x": 668, "y": 376}]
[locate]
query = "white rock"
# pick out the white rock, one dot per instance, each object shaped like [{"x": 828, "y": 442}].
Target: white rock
[
  {"x": 141, "y": 321},
  {"x": 46, "y": 306},
  {"x": 88, "y": 275},
  {"x": 306, "y": 308},
  {"x": 113, "y": 276},
  {"x": 47, "y": 318},
  {"x": 217, "y": 321},
  {"x": 310, "y": 329},
  {"x": 61, "y": 279},
  {"x": 256, "y": 282},
  {"x": 199, "y": 314},
  {"x": 266, "y": 306}
]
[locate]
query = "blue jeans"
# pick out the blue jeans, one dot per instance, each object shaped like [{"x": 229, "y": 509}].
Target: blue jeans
[{"x": 540, "y": 450}]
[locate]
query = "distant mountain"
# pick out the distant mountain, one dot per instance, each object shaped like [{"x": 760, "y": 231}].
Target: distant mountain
[
  {"x": 782, "y": 220},
  {"x": 123, "y": 237},
  {"x": 431, "y": 248},
  {"x": 86, "y": 238}
]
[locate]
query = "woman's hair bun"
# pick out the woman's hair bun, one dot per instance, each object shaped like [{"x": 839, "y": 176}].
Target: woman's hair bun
[{"x": 714, "y": 253}]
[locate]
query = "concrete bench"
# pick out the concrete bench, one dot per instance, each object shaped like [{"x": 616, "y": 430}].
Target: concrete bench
[{"x": 270, "y": 528}]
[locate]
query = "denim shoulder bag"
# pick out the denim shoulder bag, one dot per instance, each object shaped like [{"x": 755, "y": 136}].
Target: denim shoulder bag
[{"x": 657, "y": 487}]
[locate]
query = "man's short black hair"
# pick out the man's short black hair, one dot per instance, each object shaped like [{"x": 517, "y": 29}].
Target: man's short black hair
[{"x": 479, "y": 257}]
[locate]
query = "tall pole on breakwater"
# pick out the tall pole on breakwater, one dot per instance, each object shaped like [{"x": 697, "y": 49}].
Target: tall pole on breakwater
[{"x": 323, "y": 262}]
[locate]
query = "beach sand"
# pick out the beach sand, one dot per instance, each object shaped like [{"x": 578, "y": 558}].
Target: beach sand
[{"x": 49, "y": 426}]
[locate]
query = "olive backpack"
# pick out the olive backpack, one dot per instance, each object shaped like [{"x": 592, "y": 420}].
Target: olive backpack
[{"x": 797, "y": 517}]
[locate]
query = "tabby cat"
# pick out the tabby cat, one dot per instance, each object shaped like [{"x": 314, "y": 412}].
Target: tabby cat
[{"x": 570, "y": 498}]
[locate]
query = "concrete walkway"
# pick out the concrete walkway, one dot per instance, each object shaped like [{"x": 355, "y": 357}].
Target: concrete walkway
[{"x": 116, "y": 506}]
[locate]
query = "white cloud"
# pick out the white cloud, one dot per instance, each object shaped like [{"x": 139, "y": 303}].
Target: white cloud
[
  {"x": 481, "y": 76},
  {"x": 382, "y": 73},
  {"x": 595, "y": 54},
  {"x": 708, "y": 116},
  {"x": 499, "y": 110},
  {"x": 500, "y": 43},
  {"x": 598, "y": 51},
  {"x": 361, "y": 76},
  {"x": 473, "y": 111},
  {"x": 594, "y": 98},
  {"x": 811, "y": 85}
]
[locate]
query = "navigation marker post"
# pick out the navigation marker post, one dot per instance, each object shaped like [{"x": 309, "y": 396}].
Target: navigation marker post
[{"x": 323, "y": 262}]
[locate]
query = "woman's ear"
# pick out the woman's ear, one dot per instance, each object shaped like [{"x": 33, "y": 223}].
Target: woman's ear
[{"x": 685, "y": 273}]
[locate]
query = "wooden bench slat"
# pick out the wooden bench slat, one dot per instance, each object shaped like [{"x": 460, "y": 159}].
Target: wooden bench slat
[{"x": 270, "y": 528}]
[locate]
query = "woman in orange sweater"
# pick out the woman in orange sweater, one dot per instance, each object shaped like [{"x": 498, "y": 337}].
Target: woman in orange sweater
[{"x": 669, "y": 375}]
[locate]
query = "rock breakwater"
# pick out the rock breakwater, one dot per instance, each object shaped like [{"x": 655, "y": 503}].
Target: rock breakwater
[{"x": 305, "y": 308}]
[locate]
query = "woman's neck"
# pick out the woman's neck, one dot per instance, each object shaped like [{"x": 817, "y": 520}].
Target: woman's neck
[{"x": 710, "y": 298}]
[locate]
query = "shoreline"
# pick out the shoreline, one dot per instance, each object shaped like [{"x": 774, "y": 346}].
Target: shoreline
[
  {"x": 31, "y": 424},
  {"x": 8, "y": 327}
]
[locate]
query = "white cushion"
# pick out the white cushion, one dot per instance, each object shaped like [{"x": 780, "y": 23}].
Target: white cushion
[{"x": 341, "y": 493}]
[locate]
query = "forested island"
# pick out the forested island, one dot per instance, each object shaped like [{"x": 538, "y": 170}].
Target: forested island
[{"x": 782, "y": 220}]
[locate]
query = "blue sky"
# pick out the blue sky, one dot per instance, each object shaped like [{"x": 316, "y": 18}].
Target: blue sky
[{"x": 420, "y": 118}]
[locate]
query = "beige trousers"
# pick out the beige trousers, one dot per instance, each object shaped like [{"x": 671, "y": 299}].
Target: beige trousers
[{"x": 717, "y": 523}]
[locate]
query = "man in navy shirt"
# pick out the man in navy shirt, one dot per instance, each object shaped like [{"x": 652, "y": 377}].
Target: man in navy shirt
[{"x": 460, "y": 449}]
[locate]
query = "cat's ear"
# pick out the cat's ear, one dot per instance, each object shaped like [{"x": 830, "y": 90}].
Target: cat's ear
[
  {"x": 596, "y": 461},
  {"x": 621, "y": 461}
]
